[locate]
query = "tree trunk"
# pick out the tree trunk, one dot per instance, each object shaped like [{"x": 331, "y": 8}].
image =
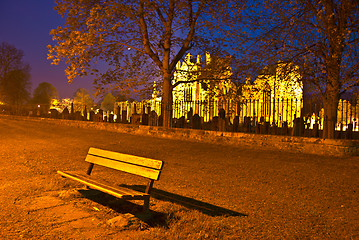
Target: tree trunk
[
  {"x": 167, "y": 100},
  {"x": 330, "y": 114}
]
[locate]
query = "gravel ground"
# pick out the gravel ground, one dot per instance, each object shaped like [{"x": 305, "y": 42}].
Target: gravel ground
[{"x": 282, "y": 195}]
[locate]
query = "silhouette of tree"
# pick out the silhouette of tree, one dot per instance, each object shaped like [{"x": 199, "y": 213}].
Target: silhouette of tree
[
  {"x": 82, "y": 100},
  {"x": 44, "y": 93},
  {"x": 108, "y": 102},
  {"x": 15, "y": 87},
  {"x": 14, "y": 75},
  {"x": 10, "y": 59}
]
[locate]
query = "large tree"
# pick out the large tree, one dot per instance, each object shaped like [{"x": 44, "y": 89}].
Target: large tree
[
  {"x": 10, "y": 59},
  {"x": 14, "y": 75},
  {"x": 83, "y": 100},
  {"x": 108, "y": 103},
  {"x": 138, "y": 38},
  {"x": 14, "y": 87},
  {"x": 44, "y": 93},
  {"x": 319, "y": 36}
]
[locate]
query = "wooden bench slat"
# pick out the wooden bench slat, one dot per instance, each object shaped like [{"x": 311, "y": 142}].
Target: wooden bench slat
[
  {"x": 119, "y": 192},
  {"x": 136, "y": 160},
  {"x": 125, "y": 167}
]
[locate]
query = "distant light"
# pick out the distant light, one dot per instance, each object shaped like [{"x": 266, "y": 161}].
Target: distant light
[{"x": 128, "y": 49}]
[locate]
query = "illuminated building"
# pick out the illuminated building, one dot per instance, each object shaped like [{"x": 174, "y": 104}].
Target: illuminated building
[
  {"x": 275, "y": 96},
  {"x": 202, "y": 88}
]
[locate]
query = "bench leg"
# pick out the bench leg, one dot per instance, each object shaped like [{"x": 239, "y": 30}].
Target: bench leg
[
  {"x": 89, "y": 170},
  {"x": 146, "y": 205}
]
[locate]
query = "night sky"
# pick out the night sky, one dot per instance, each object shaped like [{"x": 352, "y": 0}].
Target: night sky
[{"x": 26, "y": 24}]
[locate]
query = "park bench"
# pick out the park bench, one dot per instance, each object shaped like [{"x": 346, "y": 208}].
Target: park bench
[{"x": 144, "y": 167}]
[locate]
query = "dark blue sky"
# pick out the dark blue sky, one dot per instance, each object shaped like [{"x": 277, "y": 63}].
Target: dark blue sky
[{"x": 26, "y": 25}]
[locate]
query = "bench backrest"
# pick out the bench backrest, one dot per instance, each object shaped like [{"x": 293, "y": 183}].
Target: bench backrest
[{"x": 141, "y": 166}]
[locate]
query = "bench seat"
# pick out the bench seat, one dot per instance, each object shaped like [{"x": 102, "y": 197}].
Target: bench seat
[
  {"x": 120, "y": 192},
  {"x": 146, "y": 168}
]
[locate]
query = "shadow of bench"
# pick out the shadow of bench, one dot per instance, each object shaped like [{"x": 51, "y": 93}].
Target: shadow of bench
[{"x": 190, "y": 203}]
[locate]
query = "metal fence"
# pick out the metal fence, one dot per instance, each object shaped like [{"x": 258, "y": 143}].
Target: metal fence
[
  {"x": 278, "y": 112},
  {"x": 348, "y": 113}
]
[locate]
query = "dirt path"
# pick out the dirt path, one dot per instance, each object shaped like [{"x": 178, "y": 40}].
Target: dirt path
[{"x": 283, "y": 195}]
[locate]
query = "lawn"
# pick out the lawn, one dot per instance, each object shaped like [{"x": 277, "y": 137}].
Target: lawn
[{"x": 206, "y": 191}]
